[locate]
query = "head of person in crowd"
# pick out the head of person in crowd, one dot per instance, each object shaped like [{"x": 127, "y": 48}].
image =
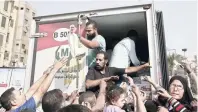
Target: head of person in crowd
[
  {"x": 12, "y": 98},
  {"x": 75, "y": 108},
  {"x": 88, "y": 99},
  {"x": 101, "y": 60},
  {"x": 54, "y": 100},
  {"x": 132, "y": 34},
  {"x": 91, "y": 29},
  {"x": 116, "y": 96},
  {"x": 178, "y": 89}
]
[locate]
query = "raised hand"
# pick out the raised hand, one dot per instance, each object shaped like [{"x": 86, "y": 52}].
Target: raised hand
[
  {"x": 163, "y": 92},
  {"x": 59, "y": 64},
  {"x": 135, "y": 90},
  {"x": 130, "y": 80}
]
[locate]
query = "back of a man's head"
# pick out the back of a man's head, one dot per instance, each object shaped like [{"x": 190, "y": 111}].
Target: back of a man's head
[
  {"x": 6, "y": 98},
  {"x": 75, "y": 108},
  {"x": 88, "y": 97},
  {"x": 132, "y": 34},
  {"x": 52, "y": 100}
]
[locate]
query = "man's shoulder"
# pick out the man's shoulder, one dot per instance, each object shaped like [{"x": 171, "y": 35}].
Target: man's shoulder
[
  {"x": 99, "y": 37},
  {"x": 29, "y": 104},
  {"x": 127, "y": 40}
]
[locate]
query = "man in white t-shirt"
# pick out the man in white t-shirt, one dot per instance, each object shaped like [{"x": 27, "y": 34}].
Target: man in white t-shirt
[{"x": 124, "y": 52}]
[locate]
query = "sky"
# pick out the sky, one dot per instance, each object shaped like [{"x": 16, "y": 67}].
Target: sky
[{"x": 180, "y": 17}]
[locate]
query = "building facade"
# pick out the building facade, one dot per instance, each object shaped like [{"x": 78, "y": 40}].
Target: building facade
[{"x": 15, "y": 20}]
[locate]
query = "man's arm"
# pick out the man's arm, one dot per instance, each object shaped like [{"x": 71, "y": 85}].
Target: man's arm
[
  {"x": 136, "y": 68},
  {"x": 36, "y": 85},
  {"x": 90, "y": 79},
  {"x": 100, "y": 102},
  {"x": 89, "y": 44},
  {"x": 92, "y": 83},
  {"x": 139, "y": 103},
  {"x": 148, "y": 79},
  {"x": 47, "y": 82}
]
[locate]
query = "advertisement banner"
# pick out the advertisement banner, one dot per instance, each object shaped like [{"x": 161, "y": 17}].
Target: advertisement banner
[{"x": 62, "y": 41}]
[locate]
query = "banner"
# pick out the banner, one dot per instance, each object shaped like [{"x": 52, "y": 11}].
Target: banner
[
  {"x": 11, "y": 77},
  {"x": 62, "y": 40}
]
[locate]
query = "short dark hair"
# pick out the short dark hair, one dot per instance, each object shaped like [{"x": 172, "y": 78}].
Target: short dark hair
[
  {"x": 75, "y": 108},
  {"x": 52, "y": 100},
  {"x": 132, "y": 33},
  {"x": 113, "y": 93},
  {"x": 6, "y": 98},
  {"x": 87, "y": 97},
  {"x": 104, "y": 53},
  {"x": 92, "y": 22}
]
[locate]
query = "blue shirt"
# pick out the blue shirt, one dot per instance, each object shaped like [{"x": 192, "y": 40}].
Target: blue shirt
[{"x": 29, "y": 104}]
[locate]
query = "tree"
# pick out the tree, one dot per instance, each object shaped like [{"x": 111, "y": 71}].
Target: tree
[{"x": 171, "y": 59}]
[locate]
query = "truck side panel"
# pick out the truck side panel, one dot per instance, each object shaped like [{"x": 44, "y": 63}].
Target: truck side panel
[{"x": 162, "y": 49}]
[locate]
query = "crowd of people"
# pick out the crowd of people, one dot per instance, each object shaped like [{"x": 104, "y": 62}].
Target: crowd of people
[{"x": 108, "y": 87}]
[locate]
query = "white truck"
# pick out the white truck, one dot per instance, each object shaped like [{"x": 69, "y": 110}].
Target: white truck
[{"x": 52, "y": 40}]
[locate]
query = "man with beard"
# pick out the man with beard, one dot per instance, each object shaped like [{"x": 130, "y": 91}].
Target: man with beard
[
  {"x": 94, "y": 41},
  {"x": 102, "y": 72}
]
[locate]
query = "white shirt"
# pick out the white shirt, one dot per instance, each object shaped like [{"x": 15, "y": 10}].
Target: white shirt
[{"x": 123, "y": 53}]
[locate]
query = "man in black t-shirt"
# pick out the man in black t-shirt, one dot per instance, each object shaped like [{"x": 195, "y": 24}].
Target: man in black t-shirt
[{"x": 102, "y": 72}]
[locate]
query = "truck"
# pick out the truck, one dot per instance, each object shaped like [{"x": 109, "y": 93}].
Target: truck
[{"x": 51, "y": 40}]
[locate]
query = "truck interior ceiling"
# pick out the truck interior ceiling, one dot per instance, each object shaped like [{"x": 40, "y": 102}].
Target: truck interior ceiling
[{"x": 115, "y": 27}]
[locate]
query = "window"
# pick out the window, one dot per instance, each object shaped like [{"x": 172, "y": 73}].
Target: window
[
  {"x": 27, "y": 10},
  {"x": 3, "y": 22},
  {"x": 6, "y": 55},
  {"x": 6, "y": 5},
  {"x": 1, "y": 40},
  {"x": 25, "y": 51},
  {"x": 21, "y": 59},
  {"x": 16, "y": 56},
  {"x": 7, "y": 38},
  {"x": 33, "y": 14},
  {"x": 17, "y": 44},
  {"x": 26, "y": 28},
  {"x": 23, "y": 46},
  {"x": 11, "y": 22},
  {"x": 21, "y": 8},
  {"x": 24, "y": 33},
  {"x": 12, "y": 6},
  {"x": 26, "y": 21},
  {"x": 17, "y": 8}
]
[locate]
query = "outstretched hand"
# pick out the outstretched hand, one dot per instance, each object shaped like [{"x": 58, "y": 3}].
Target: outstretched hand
[{"x": 59, "y": 64}]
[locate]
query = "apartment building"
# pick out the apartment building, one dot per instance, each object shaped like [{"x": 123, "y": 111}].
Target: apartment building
[{"x": 15, "y": 20}]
